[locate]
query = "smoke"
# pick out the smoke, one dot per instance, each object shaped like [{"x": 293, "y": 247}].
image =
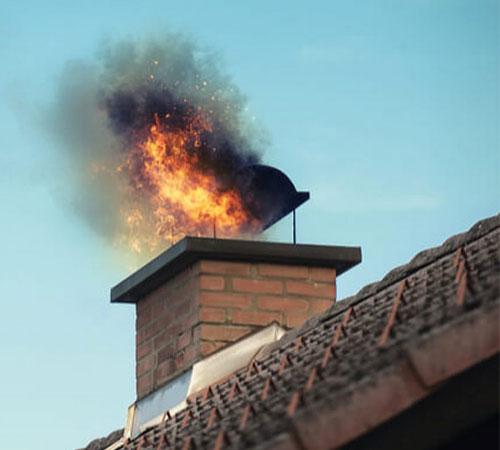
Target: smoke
[{"x": 104, "y": 107}]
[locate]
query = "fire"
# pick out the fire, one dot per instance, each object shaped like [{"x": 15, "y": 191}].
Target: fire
[{"x": 172, "y": 195}]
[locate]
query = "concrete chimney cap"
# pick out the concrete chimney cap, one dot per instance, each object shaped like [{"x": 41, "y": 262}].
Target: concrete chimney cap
[{"x": 192, "y": 249}]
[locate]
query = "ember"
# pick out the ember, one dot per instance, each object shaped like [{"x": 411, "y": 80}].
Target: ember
[
  {"x": 173, "y": 189},
  {"x": 183, "y": 142},
  {"x": 160, "y": 147}
]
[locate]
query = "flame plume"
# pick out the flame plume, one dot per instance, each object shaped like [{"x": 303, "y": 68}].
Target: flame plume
[
  {"x": 185, "y": 200},
  {"x": 155, "y": 137}
]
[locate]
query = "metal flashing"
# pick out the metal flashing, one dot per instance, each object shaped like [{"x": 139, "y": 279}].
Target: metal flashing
[
  {"x": 423, "y": 371},
  {"x": 192, "y": 249},
  {"x": 150, "y": 411},
  {"x": 231, "y": 358}
]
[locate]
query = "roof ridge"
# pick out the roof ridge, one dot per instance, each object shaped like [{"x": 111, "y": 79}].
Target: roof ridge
[
  {"x": 420, "y": 260},
  {"x": 428, "y": 256}
]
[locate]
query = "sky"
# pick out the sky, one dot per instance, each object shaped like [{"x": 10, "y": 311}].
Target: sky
[{"x": 386, "y": 111}]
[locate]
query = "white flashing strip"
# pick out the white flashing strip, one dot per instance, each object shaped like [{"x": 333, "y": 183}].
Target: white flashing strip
[
  {"x": 129, "y": 421},
  {"x": 204, "y": 373},
  {"x": 156, "y": 403},
  {"x": 228, "y": 360}
]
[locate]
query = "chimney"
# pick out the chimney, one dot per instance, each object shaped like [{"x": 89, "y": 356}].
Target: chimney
[{"x": 204, "y": 294}]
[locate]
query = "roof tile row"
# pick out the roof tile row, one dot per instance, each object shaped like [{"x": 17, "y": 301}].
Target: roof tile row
[{"x": 369, "y": 356}]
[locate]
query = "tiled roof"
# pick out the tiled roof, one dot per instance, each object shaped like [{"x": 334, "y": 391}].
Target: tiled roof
[
  {"x": 101, "y": 443},
  {"x": 360, "y": 363}
]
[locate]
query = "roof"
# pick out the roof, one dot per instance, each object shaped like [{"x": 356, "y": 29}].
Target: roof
[
  {"x": 101, "y": 443},
  {"x": 419, "y": 339},
  {"x": 192, "y": 249}
]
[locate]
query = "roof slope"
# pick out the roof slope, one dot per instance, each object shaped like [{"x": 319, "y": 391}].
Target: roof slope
[
  {"x": 360, "y": 363},
  {"x": 101, "y": 443}
]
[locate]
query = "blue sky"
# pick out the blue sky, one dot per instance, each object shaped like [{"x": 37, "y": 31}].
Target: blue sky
[{"x": 386, "y": 111}]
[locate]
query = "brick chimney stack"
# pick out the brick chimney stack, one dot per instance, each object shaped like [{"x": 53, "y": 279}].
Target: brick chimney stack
[{"x": 203, "y": 294}]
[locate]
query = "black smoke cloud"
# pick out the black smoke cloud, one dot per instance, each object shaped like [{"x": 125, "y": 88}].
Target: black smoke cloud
[{"x": 102, "y": 107}]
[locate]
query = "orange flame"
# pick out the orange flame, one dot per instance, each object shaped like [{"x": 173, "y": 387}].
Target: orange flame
[{"x": 172, "y": 196}]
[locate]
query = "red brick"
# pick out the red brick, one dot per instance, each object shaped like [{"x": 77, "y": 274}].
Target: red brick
[
  {"x": 166, "y": 319},
  {"x": 174, "y": 329},
  {"x": 143, "y": 303},
  {"x": 280, "y": 270},
  {"x": 212, "y": 283},
  {"x": 160, "y": 294},
  {"x": 182, "y": 308},
  {"x": 195, "y": 301},
  {"x": 179, "y": 287},
  {"x": 168, "y": 291},
  {"x": 144, "y": 317},
  {"x": 151, "y": 330},
  {"x": 323, "y": 274},
  {"x": 319, "y": 306},
  {"x": 186, "y": 358},
  {"x": 233, "y": 300},
  {"x": 143, "y": 349},
  {"x": 179, "y": 301},
  {"x": 295, "y": 319},
  {"x": 208, "y": 347},
  {"x": 219, "y": 345},
  {"x": 282, "y": 304},
  {"x": 311, "y": 289},
  {"x": 197, "y": 333},
  {"x": 223, "y": 267},
  {"x": 157, "y": 309},
  {"x": 184, "y": 280},
  {"x": 144, "y": 365},
  {"x": 140, "y": 337},
  {"x": 144, "y": 384},
  {"x": 213, "y": 315},
  {"x": 161, "y": 339},
  {"x": 256, "y": 317},
  {"x": 258, "y": 286},
  {"x": 191, "y": 320},
  {"x": 223, "y": 332},
  {"x": 183, "y": 340},
  {"x": 166, "y": 352},
  {"x": 167, "y": 335},
  {"x": 185, "y": 289},
  {"x": 167, "y": 313},
  {"x": 163, "y": 370}
]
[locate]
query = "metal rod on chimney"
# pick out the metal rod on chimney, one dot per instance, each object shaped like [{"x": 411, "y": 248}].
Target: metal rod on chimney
[{"x": 294, "y": 229}]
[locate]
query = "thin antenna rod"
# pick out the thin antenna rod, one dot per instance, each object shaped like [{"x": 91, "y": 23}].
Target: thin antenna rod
[
  {"x": 294, "y": 228},
  {"x": 215, "y": 229}
]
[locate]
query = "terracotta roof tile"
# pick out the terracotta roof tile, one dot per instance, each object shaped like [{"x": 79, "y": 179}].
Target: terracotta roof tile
[{"x": 362, "y": 361}]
